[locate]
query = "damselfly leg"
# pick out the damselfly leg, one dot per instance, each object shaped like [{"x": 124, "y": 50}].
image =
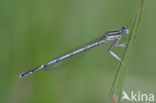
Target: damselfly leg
[{"x": 115, "y": 45}]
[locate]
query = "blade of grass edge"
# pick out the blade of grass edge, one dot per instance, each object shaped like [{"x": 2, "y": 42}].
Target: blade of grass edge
[{"x": 120, "y": 75}]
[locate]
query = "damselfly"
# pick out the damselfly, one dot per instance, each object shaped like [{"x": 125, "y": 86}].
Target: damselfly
[{"x": 108, "y": 36}]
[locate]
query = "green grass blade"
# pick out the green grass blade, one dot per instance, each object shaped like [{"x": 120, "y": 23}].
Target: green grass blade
[{"x": 116, "y": 91}]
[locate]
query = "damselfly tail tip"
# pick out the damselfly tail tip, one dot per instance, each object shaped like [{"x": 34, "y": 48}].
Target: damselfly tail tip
[
  {"x": 22, "y": 75},
  {"x": 31, "y": 71},
  {"x": 25, "y": 74}
]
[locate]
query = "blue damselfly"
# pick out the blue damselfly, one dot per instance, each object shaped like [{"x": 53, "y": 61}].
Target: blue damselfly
[{"x": 108, "y": 36}]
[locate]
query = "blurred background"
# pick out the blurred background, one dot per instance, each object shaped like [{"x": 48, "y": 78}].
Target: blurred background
[{"x": 33, "y": 32}]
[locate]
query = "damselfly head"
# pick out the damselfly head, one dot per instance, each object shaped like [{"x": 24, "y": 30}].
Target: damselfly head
[{"x": 124, "y": 29}]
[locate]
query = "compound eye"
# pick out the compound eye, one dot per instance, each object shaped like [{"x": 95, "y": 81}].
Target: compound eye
[{"x": 126, "y": 31}]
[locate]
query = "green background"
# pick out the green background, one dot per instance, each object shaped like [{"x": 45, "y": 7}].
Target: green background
[{"x": 33, "y": 32}]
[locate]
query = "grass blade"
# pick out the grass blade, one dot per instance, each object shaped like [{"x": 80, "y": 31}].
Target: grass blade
[{"x": 120, "y": 75}]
